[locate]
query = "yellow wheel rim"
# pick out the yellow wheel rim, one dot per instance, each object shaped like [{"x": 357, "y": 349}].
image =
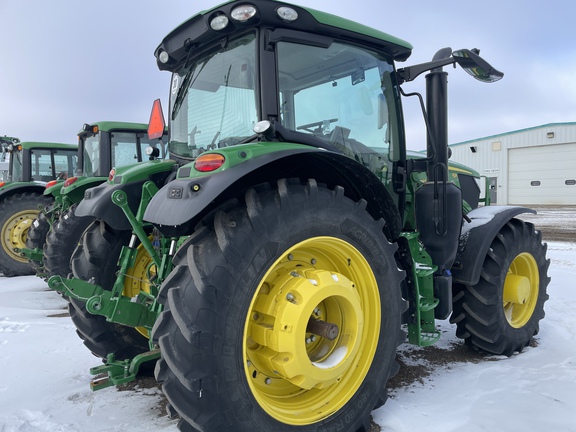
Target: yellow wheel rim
[
  {"x": 521, "y": 289},
  {"x": 296, "y": 376},
  {"x": 138, "y": 278},
  {"x": 15, "y": 231}
]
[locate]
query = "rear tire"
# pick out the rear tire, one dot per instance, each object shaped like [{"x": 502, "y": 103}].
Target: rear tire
[
  {"x": 501, "y": 313},
  {"x": 96, "y": 258},
  {"x": 17, "y": 212},
  {"x": 63, "y": 238},
  {"x": 266, "y": 266}
]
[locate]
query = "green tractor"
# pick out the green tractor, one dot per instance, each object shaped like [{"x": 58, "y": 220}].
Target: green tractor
[
  {"x": 307, "y": 243},
  {"x": 112, "y": 246},
  {"x": 102, "y": 146},
  {"x": 32, "y": 166}
]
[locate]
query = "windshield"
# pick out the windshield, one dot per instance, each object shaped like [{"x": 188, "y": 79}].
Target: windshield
[
  {"x": 91, "y": 152},
  {"x": 125, "y": 148},
  {"x": 130, "y": 147},
  {"x": 342, "y": 94},
  {"x": 213, "y": 100},
  {"x": 50, "y": 164}
]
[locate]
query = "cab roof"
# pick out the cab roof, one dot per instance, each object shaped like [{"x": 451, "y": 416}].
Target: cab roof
[
  {"x": 47, "y": 145},
  {"x": 196, "y": 31}
]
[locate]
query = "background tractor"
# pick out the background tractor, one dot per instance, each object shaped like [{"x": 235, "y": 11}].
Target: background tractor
[
  {"x": 32, "y": 166},
  {"x": 114, "y": 250},
  {"x": 311, "y": 242},
  {"x": 101, "y": 147}
]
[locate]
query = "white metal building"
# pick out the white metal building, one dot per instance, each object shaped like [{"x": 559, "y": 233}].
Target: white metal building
[{"x": 528, "y": 166}]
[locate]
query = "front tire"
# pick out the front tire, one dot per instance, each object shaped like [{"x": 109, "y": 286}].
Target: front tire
[
  {"x": 501, "y": 313},
  {"x": 17, "y": 213},
  {"x": 237, "y": 353}
]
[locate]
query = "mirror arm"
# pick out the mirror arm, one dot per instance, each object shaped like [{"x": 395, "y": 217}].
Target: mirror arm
[{"x": 411, "y": 72}]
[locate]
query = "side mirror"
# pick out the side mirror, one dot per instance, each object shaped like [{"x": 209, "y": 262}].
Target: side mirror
[{"x": 476, "y": 66}]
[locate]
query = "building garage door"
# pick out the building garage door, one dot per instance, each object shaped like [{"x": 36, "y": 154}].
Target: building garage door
[{"x": 542, "y": 175}]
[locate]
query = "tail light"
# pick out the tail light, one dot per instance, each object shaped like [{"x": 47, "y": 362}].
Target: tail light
[
  {"x": 69, "y": 181},
  {"x": 209, "y": 162}
]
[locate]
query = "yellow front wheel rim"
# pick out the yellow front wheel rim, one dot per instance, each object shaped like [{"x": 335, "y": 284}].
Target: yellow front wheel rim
[
  {"x": 138, "y": 278},
  {"x": 521, "y": 289},
  {"x": 297, "y": 375},
  {"x": 15, "y": 232}
]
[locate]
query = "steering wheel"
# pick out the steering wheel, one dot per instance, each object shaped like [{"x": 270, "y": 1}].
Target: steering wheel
[{"x": 318, "y": 125}]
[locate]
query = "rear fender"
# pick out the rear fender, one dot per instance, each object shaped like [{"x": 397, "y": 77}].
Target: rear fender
[
  {"x": 180, "y": 204},
  {"x": 98, "y": 203},
  {"x": 75, "y": 191},
  {"x": 181, "y": 200},
  {"x": 55, "y": 189},
  {"x": 476, "y": 238},
  {"x": 20, "y": 187}
]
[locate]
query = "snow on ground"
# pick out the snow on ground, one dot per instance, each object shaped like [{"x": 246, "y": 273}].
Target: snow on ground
[{"x": 44, "y": 373}]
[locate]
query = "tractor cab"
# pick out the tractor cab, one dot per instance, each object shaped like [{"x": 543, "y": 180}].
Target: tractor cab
[
  {"x": 104, "y": 145},
  {"x": 39, "y": 162},
  {"x": 270, "y": 74}
]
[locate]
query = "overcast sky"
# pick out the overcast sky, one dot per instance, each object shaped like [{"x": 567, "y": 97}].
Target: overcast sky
[{"x": 68, "y": 62}]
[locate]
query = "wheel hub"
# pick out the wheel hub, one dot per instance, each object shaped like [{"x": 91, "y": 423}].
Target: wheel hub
[
  {"x": 281, "y": 328},
  {"x": 521, "y": 289},
  {"x": 516, "y": 289},
  {"x": 138, "y": 278}
]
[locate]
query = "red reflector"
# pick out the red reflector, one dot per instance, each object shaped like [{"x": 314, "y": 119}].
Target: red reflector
[
  {"x": 209, "y": 162},
  {"x": 112, "y": 174},
  {"x": 69, "y": 181},
  {"x": 156, "y": 124},
  {"x": 51, "y": 183},
  {"x": 2, "y": 184}
]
